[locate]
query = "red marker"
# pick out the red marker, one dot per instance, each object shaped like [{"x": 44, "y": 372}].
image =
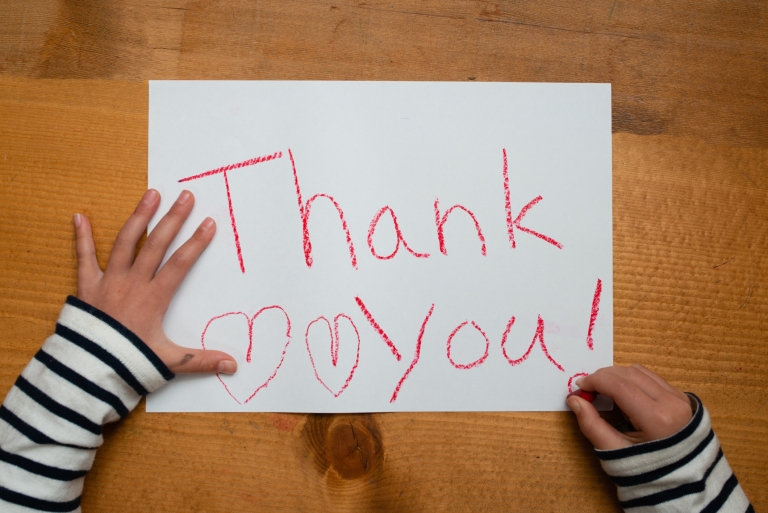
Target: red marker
[{"x": 587, "y": 396}]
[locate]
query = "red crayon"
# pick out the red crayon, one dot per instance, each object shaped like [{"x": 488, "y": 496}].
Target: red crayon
[{"x": 587, "y": 396}]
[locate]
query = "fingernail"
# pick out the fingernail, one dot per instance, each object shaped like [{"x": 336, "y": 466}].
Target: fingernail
[
  {"x": 149, "y": 196},
  {"x": 578, "y": 382},
  {"x": 78, "y": 220},
  {"x": 207, "y": 224},
  {"x": 184, "y": 197},
  {"x": 227, "y": 367},
  {"x": 574, "y": 404}
]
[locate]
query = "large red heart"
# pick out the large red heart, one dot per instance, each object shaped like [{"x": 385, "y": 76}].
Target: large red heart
[
  {"x": 334, "y": 336},
  {"x": 250, "y": 321}
]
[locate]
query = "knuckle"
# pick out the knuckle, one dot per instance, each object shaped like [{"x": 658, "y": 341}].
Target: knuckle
[
  {"x": 142, "y": 210},
  {"x": 200, "y": 236},
  {"x": 83, "y": 255},
  {"x": 146, "y": 207},
  {"x": 84, "y": 250},
  {"x": 121, "y": 241},
  {"x": 664, "y": 420},
  {"x": 174, "y": 214},
  {"x": 620, "y": 386},
  {"x": 179, "y": 260},
  {"x": 153, "y": 243},
  {"x": 604, "y": 371},
  {"x": 204, "y": 363},
  {"x": 587, "y": 425}
]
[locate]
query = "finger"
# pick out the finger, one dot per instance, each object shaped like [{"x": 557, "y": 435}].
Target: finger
[
  {"x": 183, "y": 360},
  {"x": 627, "y": 395},
  {"x": 124, "y": 249},
  {"x": 88, "y": 270},
  {"x": 658, "y": 379},
  {"x": 153, "y": 251},
  {"x": 176, "y": 268},
  {"x": 647, "y": 384},
  {"x": 602, "y": 435}
]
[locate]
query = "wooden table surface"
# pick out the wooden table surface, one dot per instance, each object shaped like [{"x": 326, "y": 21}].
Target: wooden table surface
[{"x": 690, "y": 171}]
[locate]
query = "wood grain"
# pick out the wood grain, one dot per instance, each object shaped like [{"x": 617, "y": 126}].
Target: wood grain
[
  {"x": 690, "y": 164},
  {"x": 686, "y": 68}
]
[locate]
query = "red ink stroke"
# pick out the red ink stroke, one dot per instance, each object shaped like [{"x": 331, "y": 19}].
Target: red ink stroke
[
  {"x": 593, "y": 314},
  {"x": 477, "y": 362},
  {"x": 223, "y": 170},
  {"x": 507, "y": 201},
  {"x": 398, "y": 233},
  {"x": 512, "y": 224},
  {"x": 304, "y": 211},
  {"x": 572, "y": 378},
  {"x": 378, "y": 328},
  {"x": 440, "y": 222},
  {"x": 334, "y": 336},
  {"x": 234, "y": 226},
  {"x": 519, "y": 218},
  {"x": 250, "y": 321},
  {"x": 416, "y": 355},
  {"x": 230, "y": 167},
  {"x": 539, "y": 335}
]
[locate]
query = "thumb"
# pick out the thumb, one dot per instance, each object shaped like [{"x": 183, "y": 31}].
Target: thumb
[
  {"x": 602, "y": 435},
  {"x": 184, "y": 360},
  {"x": 88, "y": 270}
]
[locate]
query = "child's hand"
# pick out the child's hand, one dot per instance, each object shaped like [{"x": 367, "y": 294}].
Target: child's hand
[
  {"x": 131, "y": 292},
  {"x": 654, "y": 407}
]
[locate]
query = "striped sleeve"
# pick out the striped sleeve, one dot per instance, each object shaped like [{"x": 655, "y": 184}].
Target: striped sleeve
[
  {"x": 91, "y": 371},
  {"x": 685, "y": 472}
]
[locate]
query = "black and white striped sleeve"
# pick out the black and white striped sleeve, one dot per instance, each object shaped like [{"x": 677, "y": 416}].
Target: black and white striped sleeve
[
  {"x": 685, "y": 472},
  {"x": 91, "y": 371}
]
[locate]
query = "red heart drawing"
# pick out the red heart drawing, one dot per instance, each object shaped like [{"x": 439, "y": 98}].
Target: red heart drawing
[
  {"x": 250, "y": 321},
  {"x": 334, "y": 336}
]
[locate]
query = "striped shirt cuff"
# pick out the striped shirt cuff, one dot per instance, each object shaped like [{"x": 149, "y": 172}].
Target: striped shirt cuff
[
  {"x": 685, "y": 472},
  {"x": 93, "y": 370}
]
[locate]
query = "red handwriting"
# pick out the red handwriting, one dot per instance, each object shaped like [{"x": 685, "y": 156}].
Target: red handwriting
[
  {"x": 519, "y": 218},
  {"x": 378, "y": 328},
  {"x": 415, "y": 356},
  {"x": 572, "y": 378},
  {"x": 440, "y": 219},
  {"x": 440, "y": 222},
  {"x": 507, "y": 201},
  {"x": 223, "y": 170},
  {"x": 234, "y": 226},
  {"x": 230, "y": 167},
  {"x": 512, "y": 224},
  {"x": 398, "y": 234},
  {"x": 304, "y": 211},
  {"x": 334, "y": 335},
  {"x": 335, "y": 342},
  {"x": 593, "y": 314},
  {"x": 539, "y": 335},
  {"x": 477, "y": 362},
  {"x": 250, "y": 321}
]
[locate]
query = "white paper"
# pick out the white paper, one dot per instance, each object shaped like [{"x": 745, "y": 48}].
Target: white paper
[{"x": 406, "y": 146}]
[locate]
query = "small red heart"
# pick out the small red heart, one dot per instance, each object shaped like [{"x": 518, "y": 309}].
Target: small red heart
[
  {"x": 334, "y": 336},
  {"x": 250, "y": 321}
]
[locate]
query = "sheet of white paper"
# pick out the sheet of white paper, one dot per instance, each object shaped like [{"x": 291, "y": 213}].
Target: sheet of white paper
[{"x": 295, "y": 174}]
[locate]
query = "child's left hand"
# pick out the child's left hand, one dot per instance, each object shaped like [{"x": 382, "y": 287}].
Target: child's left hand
[{"x": 134, "y": 293}]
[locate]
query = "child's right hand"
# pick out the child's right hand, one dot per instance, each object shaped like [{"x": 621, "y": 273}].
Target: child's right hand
[{"x": 654, "y": 407}]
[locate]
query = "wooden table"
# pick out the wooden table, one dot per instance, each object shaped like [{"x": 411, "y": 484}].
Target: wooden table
[{"x": 690, "y": 122}]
